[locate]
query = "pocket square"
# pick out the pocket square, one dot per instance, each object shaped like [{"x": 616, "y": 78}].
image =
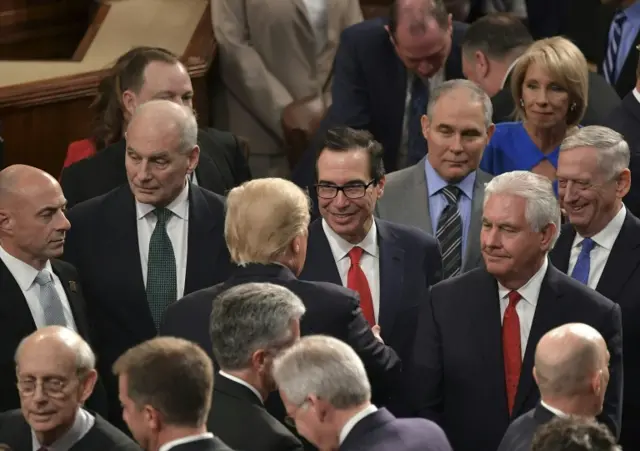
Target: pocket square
[{"x": 73, "y": 286}]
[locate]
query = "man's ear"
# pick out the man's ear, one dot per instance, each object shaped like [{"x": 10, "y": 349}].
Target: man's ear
[{"x": 6, "y": 222}]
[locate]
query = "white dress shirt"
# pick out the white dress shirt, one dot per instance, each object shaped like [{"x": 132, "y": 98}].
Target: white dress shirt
[
  {"x": 177, "y": 229},
  {"x": 553, "y": 410},
  {"x": 636, "y": 94},
  {"x": 241, "y": 382},
  {"x": 181, "y": 441},
  {"x": 369, "y": 262},
  {"x": 526, "y": 308},
  {"x": 319, "y": 18},
  {"x": 81, "y": 426},
  {"x": 25, "y": 276},
  {"x": 349, "y": 425},
  {"x": 599, "y": 255}
]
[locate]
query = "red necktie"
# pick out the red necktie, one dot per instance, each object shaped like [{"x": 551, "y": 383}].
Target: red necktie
[
  {"x": 511, "y": 348},
  {"x": 357, "y": 281}
]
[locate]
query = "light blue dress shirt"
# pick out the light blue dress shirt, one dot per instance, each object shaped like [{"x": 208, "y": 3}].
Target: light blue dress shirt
[
  {"x": 438, "y": 202},
  {"x": 630, "y": 30}
]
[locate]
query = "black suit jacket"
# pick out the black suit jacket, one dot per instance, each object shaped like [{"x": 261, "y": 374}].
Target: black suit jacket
[
  {"x": 331, "y": 310},
  {"x": 625, "y": 119},
  {"x": 458, "y": 377},
  {"x": 103, "y": 245},
  {"x": 205, "y": 444},
  {"x": 603, "y": 99},
  {"x": 620, "y": 282},
  {"x": 235, "y": 409},
  {"x": 16, "y": 322},
  {"x": 222, "y": 167},
  {"x": 16, "y": 432},
  {"x": 520, "y": 433}
]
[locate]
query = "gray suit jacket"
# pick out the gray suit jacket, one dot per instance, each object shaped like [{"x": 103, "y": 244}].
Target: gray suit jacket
[{"x": 405, "y": 202}]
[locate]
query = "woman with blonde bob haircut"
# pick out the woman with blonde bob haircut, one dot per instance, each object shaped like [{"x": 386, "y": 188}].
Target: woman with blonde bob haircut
[
  {"x": 266, "y": 222},
  {"x": 549, "y": 85}
]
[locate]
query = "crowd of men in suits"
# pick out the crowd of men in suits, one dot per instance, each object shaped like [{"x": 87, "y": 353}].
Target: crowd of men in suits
[{"x": 435, "y": 308}]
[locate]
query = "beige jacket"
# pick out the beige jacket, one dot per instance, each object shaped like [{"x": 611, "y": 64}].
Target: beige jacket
[{"x": 267, "y": 59}]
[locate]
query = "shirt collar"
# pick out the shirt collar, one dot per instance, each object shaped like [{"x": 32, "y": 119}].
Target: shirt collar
[
  {"x": 341, "y": 247},
  {"x": 237, "y": 380},
  {"x": 508, "y": 72},
  {"x": 24, "y": 273},
  {"x": 181, "y": 441},
  {"x": 81, "y": 425},
  {"x": 349, "y": 425},
  {"x": 179, "y": 206},
  {"x": 435, "y": 183},
  {"x": 606, "y": 237},
  {"x": 553, "y": 410},
  {"x": 636, "y": 94},
  {"x": 530, "y": 290}
]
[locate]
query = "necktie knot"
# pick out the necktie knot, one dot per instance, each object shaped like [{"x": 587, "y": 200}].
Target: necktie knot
[
  {"x": 44, "y": 277},
  {"x": 355, "y": 254},
  {"x": 451, "y": 193},
  {"x": 587, "y": 246},
  {"x": 163, "y": 215},
  {"x": 514, "y": 298},
  {"x": 620, "y": 18}
]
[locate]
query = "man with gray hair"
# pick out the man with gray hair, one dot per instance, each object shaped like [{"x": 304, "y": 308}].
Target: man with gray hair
[
  {"x": 55, "y": 371},
  {"x": 250, "y": 325},
  {"x": 473, "y": 356},
  {"x": 143, "y": 245},
  {"x": 325, "y": 390},
  {"x": 572, "y": 373},
  {"x": 599, "y": 245},
  {"x": 443, "y": 193}
]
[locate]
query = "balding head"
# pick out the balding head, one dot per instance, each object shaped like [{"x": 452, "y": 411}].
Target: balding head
[
  {"x": 56, "y": 375},
  {"x": 162, "y": 151},
  {"x": 32, "y": 220},
  {"x": 571, "y": 362}
]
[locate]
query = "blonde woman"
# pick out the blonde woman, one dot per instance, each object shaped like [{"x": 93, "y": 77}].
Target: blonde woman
[{"x": 549, "y": 86}]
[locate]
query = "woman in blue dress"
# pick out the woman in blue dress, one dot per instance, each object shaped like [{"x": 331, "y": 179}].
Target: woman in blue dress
[{"x": 549, "y": 84}]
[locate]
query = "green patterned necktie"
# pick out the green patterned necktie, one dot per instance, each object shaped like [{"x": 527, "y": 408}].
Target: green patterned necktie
[{"x": 161, "y": 270}]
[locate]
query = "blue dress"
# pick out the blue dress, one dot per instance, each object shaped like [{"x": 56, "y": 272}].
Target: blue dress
[{"x": 511, "y": 149}]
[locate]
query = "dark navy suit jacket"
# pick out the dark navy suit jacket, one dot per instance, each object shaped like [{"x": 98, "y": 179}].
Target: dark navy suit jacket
[
  {"x": 369, "y": 91},
  {"x": 381, "y": 431},
  {"x": 520, "y": 433},
  {"x": 410, "y": 262},
  {"x": 458, "y": 367}
]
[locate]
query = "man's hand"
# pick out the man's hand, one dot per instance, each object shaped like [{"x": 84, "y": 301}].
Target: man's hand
[{"x": 376, "y": 332}]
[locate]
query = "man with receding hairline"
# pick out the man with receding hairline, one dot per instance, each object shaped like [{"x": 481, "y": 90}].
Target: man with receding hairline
[
  {"x": 55, "y": 369},
  {"x": 572, "y": 373},
  {"x": 142, "y": 246},
  {"x": 37, "y": 289}
]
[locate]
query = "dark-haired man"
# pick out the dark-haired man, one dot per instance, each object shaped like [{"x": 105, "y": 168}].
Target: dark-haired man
[
  {"x": 490, "y": 49},
  {"x": 391, "y": 266}
]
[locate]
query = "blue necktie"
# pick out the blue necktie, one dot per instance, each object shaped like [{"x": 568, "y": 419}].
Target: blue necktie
[
  {"x": 583, "y": 264},
  {"x": 416, "y": 144},
  {"x": 611, "y": 58}
]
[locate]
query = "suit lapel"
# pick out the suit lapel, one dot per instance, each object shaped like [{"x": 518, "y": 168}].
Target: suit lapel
[
  {"x": 208, "y": 174},
  {"x": 14, "y": 308},
  {"x": 631, "y": 104},
  {"x": 418, "y": 193},
  {"x": 76, "y": 302},
  {"x": 561, "y": 252},
  {"x": 320, "y": 264},
  {"x": 391, "y": 277},
  {"x": 308, "y": 33},
  {"x": 623, "y": 259},
  {"x": 203, "y": 242},
  {"x": 544, "y": 319},
  {"x": 472, "y": 254}
]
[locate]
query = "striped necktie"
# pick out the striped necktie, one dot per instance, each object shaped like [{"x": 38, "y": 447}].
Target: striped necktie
[
  {"x": 449, "y": 233},
  {"x": 615, "y": 38}
]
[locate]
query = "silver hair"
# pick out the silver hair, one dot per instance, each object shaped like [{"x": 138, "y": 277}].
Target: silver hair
[
  {"x": 613, "y": 150},
  {"x": 186, "y": 123},
  {"x": 542, "y": 207},
  {"x": 323, "y": 366},
  {"x": 250, "y": 317},
  {"x": 85, "y": 357},
  {"x": 477, "y": 95}
]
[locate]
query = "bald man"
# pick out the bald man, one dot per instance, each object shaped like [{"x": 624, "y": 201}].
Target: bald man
[
  {"x": 56, "y": 374},
  {"x": 36, "y": 289},
  {"x": 143, "y": 245},
  {"x": 572, "y": 373}
]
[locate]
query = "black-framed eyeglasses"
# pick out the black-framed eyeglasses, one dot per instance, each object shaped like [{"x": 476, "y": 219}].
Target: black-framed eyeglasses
[{"x": 354, "y": 190}]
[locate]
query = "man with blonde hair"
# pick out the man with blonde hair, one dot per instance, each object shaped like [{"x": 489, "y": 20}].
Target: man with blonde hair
[
  {"x": 266, "y": 233},
  {"x": 327, "y": 396}
]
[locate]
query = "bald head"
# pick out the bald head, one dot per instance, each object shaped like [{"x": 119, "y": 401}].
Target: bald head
[
  {"x": 22, "y": 180},
  {"x": 567, "y": 360}
]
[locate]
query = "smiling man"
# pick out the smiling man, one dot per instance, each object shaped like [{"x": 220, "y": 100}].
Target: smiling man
[
  {"x": 143, "y": 245},
  {"x": 445, "y": 189},
  {"x": 600, "y": 247},
  {"x": 389, "y": 265},
  {"x": 477, "y": 333}
]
